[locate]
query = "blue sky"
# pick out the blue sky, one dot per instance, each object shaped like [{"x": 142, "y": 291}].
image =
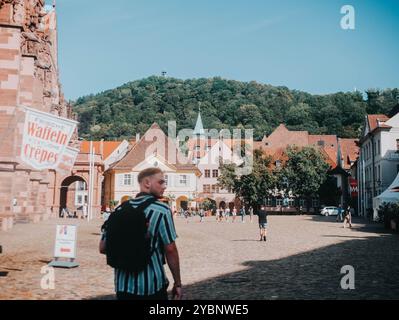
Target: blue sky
[{"x": 299, "y": 44}]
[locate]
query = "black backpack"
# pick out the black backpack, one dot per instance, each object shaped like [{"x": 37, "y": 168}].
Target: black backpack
[{"x": 128, "y": 242}]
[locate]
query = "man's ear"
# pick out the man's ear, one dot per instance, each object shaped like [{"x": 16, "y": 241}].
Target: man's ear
[{"x": 147, "y": 182}]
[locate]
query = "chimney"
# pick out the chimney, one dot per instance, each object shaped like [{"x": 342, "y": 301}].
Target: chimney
[
  {"x": 102, "y": 148},
  {"x": 137, "y": 137}
]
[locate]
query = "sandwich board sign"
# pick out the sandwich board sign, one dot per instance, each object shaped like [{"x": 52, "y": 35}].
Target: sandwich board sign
[{"x": 65, "y": 247}]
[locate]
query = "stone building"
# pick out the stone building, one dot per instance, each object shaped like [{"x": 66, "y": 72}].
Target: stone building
[{"x": 29, "y": 78}]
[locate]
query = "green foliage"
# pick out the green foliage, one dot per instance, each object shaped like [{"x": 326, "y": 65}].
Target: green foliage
[
  {"x": 227, "y": 178},
  {"x": 304, "y": 171},
  {"x": 113, "y": 203},
  {"x": 328, "y": 192},
  {"x": 208, "y": 204},
  {"x": 382, "y": 101},
  {"x": 388, "y": 212},
  {"x": 251, "y": 188},
  {"x": 133, "y": 107}
]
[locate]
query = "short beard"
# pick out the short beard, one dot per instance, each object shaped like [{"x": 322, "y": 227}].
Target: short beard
[{"x": 155, "y": 195}]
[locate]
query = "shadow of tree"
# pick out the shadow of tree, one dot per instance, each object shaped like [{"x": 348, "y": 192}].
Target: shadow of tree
[
  {"x": 358, "y": 224},
  {"x": 310, "y": 275}
]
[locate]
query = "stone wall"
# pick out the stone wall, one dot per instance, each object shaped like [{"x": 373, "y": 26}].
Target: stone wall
[{"x": 28, "y": 77}]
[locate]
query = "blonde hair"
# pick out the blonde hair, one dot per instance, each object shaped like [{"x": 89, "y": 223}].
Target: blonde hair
[{"x": 148, "y": 173}]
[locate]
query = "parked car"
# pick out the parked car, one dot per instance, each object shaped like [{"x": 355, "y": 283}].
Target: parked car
[{"x": 329, "y": 211}]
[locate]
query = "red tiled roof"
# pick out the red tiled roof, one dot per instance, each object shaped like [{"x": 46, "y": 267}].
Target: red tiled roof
[
  {"x": 281, "y": 137},
  {"x": 140, "y": 150},
  {"x": 374, "y": 121},
  {"x": 330, "y": 156},
  {"x": 329, "y": 140},
  {"x": 349, "y": 151},
  {"x": 107, "y": 147}
]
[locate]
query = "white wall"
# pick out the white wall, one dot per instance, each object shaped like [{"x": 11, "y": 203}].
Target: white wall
[{"x": 173, "y": 180}]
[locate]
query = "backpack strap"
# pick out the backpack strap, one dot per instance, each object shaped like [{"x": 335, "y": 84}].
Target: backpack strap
[{"x": 146, "y": 203}]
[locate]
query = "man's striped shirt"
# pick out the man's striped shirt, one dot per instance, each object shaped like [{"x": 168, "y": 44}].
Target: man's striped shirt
[{"x": 162, "y": 230}]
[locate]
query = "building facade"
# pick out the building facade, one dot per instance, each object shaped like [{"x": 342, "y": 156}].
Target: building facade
[
  {"x": 340, "y": 154},
  {"x": 181, "y": 178},
  {"x": 208, "y": 152},
  {"x": 378, "y": 162},
  {"x": 29, "y": 77}
]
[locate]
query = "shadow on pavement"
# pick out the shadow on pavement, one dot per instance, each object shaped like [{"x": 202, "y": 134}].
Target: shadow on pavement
[
  {"x": 311, "y": 275},
  {"x": 250, "y": 240},
  {"x": 358, "y": 224}
]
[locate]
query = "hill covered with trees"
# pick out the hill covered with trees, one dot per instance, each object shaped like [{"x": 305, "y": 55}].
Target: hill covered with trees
[{"x": 133, "y": 107}]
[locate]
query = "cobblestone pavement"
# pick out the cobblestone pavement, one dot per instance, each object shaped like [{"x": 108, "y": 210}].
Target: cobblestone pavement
[{"x": 301, "y": 259}]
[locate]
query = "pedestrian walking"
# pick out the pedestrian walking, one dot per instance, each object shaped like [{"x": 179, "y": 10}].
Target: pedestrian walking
[
  {"x": 84, "y": 211},
  {"x": 339, "y": 215},
  {"x": 242, "y": 213},
  {"x": 348, "y": 217},
  {"x": 262, "y": 217},
  {"x": 106, "y": 213},
  {"x": 251, "y": 213},
  {"x": 201, "y": 214},
  {"x": 227, "y": 214},
  {"x": 234, "y": 214},
  {"x": 151, "y": 282}
]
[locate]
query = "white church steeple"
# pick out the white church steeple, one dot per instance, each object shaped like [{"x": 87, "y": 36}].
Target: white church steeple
[{"x": 199, "y": 128}]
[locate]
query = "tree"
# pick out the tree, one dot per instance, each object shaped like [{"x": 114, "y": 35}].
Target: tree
[
  {"x": 328, "y": 192},
  {"x": 304, "y": 171},
  {"x": 226, "y": 104},
  {"x": 208, "y": 204},
  {"x": 298, "y": 114},
  {"x": 251, "y": 188}
]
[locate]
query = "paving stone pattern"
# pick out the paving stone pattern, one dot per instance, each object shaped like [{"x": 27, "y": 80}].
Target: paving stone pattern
[{"x": 301, "y": 259}]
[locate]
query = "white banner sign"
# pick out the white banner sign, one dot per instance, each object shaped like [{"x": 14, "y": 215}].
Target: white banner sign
[
  {"x": 65, "y": 241},
  {"x": 45, "y": 139},
  {"x": 67, "y": 161}
]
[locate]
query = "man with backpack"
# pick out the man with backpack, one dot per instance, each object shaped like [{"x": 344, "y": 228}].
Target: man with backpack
[{"x": 136, "y": 239}]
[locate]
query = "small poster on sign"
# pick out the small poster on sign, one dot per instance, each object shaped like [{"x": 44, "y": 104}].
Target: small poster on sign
[
  {"x": 65, "y": 242},
  {"x": 65, "y": 246}
]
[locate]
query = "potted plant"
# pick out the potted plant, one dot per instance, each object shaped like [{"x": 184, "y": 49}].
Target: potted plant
[
  {"x": 388, "y": 213},
  {"x": 113, "y": 204}
]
